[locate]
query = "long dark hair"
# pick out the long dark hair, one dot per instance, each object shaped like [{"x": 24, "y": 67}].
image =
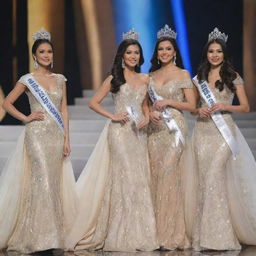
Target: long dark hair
[
  {"x": 154, "y": 60},
  {"x": 117, "y": 71},
  {"x": 227, "y": 73},
  {"x": 39, "y": 42}
]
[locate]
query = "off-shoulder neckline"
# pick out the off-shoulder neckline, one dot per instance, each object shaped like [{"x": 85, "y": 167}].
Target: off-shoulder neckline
[{"x": 169, "y": 82}]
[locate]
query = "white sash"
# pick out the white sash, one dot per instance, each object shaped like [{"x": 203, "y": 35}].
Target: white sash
[
  {"x": 217, "y": 117},
  {"x": 167, "y": 116},
  {"x": 133, "y": 114},
  {"x": 42, "y": 96}
]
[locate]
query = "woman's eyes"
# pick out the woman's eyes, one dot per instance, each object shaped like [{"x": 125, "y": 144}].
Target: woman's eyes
[
  {"x": 131, "y": 52},
  {"x": 50, "y": 51},
  {"x": 218, "y": 51},
  {"x": 168, "y": 49}
]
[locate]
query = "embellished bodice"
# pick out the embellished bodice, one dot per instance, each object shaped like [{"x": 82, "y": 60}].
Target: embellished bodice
[
  {"x": 225, "y": 96},
  {"x": 129, "y": 95},
  {"x": 173, "y": 89},
  {"x": 55, "y": 95}
]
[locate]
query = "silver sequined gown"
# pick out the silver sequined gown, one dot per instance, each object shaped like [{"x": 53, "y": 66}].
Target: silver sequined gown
[
  {"x": 213, "y": 225},
  {"x": 39, "y": 223},
  {"x": 124, "y": 219},
  {"x": 166, "y": 174}
]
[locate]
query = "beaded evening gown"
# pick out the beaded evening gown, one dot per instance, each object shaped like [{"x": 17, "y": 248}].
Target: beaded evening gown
[
  {"x": 166, "y": 174},
  {"x": 226, "y": 201},
  {"x": 116, "y": 211},
  {"x": 35, "y": 184}
]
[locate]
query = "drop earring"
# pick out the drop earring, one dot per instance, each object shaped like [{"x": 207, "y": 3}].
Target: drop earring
[
  {"x": 174, "y": 60},
  {"x": 158, "y": 62},
  {"x": 35, "y": 64},
  {"x": 52, "y": 64},
  {"x": 123, "y": 64}
]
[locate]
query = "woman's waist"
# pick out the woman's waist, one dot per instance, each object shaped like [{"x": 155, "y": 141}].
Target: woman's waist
[
  {"x": 224, "y": 114},
  {"x": 208, "y": 125},
  {"x": 48, "y": 123},
  {"x": 124, "y": 108},
  {"x": 167, "y": 122}
]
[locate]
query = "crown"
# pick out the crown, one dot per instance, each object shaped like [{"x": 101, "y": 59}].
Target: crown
[
  {"x": 166, "y": 31},
  {"x": 41, "y": 34},
  {"x": 131, "y": 34},
  {"x": 216, "y": 34}
]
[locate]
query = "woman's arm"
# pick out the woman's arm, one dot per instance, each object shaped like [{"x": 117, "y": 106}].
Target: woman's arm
[
  {"x": 202, "y": 112},
  {"x": 188, "y": 105},
  {"x": 9, "y": 107},
  {"x": 64, "y": 113},
  {"x": 99, "y": 96},
  {"x": 243, "y": 106},
  {"x": 145, "y": 108}
]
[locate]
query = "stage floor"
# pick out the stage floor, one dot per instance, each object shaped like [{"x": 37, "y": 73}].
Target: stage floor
[{"x": 246, "y": 251}]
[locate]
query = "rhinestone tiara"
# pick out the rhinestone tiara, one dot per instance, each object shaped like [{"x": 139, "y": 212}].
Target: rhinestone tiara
[
  {"x": 131, "y": 34},
  {"x": 216, "y": 34},
  {"x": 166, "y": 31},
  {"x": 41, "y": 34}
]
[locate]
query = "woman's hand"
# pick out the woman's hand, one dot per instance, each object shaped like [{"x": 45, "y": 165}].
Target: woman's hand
[
  {"x": 155, "y": 117},
  {"x": 35, "y": 116},
  {"x": 121, "y": 117},
  {"x": 143, "y": 122},
  {"x": 161, "y": 104},
  {"x": 204, "y": 112},
  {"x": 66, "y": 149},
  {"x": 219, "y": 107}
]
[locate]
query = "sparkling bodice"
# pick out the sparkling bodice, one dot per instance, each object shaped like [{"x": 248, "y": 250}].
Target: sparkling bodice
[
  {"x": 55, "y": 95},
  {"x": 225, "y": 96},
  {"x": 130, "y": 95},
  {"x": 171, "y": 90}
]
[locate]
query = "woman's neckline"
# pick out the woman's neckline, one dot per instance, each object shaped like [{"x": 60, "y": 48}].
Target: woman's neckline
[
  {"x": 50, "y": 91},
  {"x": 166, "y": 83},
  {"x": 137, "y": 86}
]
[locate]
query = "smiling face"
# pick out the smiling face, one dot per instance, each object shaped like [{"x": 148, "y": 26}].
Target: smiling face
[
  {"x": 215, "y": 54},
  {"x": 132, "y": 56},
  {"x": 165, "y": 52},
  {"x": 44, "y": 54}
]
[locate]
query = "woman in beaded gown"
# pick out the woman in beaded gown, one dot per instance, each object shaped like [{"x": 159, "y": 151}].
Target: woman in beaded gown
[
  {"x": 174, "y": 85},
  {"x": 115, "y": 207},
  {"x": 224, "y": 212},
  {"x": 36, "y": 183}
]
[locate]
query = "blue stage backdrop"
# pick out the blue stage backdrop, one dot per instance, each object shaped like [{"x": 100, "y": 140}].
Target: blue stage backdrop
[{"x": 146, "y": 17}]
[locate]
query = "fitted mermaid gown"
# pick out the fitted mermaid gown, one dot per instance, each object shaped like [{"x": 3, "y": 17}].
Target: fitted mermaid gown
[
  {"x": 116, "y": 211},
  {"x": 165, "y": 157},
  {"x": 36, "y": 183},
  {"x": 224, "y": 212}
]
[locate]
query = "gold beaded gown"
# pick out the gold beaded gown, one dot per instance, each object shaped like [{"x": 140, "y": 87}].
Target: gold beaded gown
[
  {"x": 225, "y": 205},
  {"x": 36, "y": 184},
  {"x": 165, "y": 162},
  {"x": 115, "y": 205}
]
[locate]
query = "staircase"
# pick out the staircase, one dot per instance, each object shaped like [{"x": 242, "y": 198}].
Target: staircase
[{"x": 86, "y": 125}]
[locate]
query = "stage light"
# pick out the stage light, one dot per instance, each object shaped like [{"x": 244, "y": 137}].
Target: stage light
[
  {"x": 181, "y": 29},
  {"x": 140, "y": 16}
]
